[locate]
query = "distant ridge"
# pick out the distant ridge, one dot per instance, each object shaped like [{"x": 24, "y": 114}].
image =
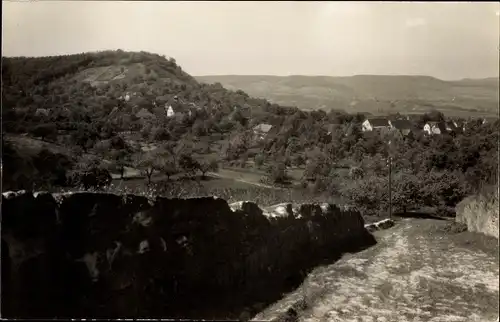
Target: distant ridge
[{"x": 370, "y": 93}]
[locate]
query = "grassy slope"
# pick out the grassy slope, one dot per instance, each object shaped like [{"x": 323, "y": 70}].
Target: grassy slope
[{"x": 370, "y": 93}]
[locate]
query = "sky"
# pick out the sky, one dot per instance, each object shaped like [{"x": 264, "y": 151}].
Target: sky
[{"x": 444, "y": 40}]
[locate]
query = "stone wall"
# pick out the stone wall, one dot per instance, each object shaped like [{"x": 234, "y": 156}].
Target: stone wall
[
  {"x": 480, "y": 213},
  {"x": 107, "y": 256}
]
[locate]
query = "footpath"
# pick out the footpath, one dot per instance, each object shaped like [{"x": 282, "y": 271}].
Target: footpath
[{"x": 416, "y": 272}]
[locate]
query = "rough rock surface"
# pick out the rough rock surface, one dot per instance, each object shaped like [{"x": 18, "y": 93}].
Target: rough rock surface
[
  {"x": 380, "y": 225},
  {"x": 480, "y": 213},
  {"x": 416, "y": 272},
  {"x": 84, "y": 255}
]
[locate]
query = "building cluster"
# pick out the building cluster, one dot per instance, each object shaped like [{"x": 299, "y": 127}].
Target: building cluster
[{"x": 407, "y": 127}]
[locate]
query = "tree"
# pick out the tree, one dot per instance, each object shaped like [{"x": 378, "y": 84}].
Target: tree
[
  {"x": 51, "y": 168},
  {"x": 368, "y": 195},
  {"x": 405, "y": 192},
  {"x": 356, "y": 173},
  {"x": 87, "y": 162},
  {"x": 147, "y": 163},
  {"x": 120, "y": 160},
  {"x": 208, "y": 165},
  {"x": 160, "y": 134},
  {"x": 199, "y": 128},
  {"x": 259, "y": 160},
  {"x": 146, "y": 132},
  {"x": 170, "y": 150},
  {"x": 436, "y": 116},
  {"x": 169, "y": 169},
  {"x": 237, "y": 145},
  {"x": 188, "y": 164},
  {"x": 95, "y": 178},
  {"x": 276, "y": 173},
  {"x": 118, "y": 143},
  {"x": 102, "y": 147},
  {"x": 442, "y": 188},
  {"x": 202, "y": 147},
  {"x": 45, "y": 130},
  {"x": 298, "y": 160}
]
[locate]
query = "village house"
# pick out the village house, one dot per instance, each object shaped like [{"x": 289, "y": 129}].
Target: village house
[
  {"x": 262, "y": 130},
  {"x": 169, "y": 110},
  {"x": 434, "y": 128},
  {"x": 405, "y": 127},
  {"x": 375, "y": 124},
  {"x": 450, "y": 127},
  {"x": 461, "y": 125},
  {"x": 178, "y": 112},
  {"x": 453, "y": 127},
  {"x": 127, "y": 96}
]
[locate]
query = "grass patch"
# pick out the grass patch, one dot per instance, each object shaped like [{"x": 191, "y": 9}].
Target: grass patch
[{"x": 224, "y": 188}]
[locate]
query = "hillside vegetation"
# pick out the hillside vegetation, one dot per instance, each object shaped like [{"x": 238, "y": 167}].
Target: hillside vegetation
[
  {"x": 70, "y": 121},
  {"x": 371, "y": 93}
]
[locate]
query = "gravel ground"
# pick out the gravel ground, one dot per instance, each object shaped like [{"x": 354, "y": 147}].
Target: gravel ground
[{"x": 418, "y": 271}]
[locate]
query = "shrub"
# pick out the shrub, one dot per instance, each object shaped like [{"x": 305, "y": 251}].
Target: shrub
[
  {"x": 276, "y": 173},
  {"x": 94, "y": 178},
  {"x": 259, "y": 160},
  {"x": 369, "y": 196},
  {"x": 208, "y": 165}
]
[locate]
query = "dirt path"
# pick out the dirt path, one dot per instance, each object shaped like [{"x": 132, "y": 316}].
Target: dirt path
[
  {"x": 414, "y": 273},
  {"x": 233, "y": 177}
]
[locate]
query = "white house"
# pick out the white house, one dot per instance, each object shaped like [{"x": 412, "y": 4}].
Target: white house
[
  {"x": 262, "y": 130},
  {"x": 375, "y": 124},
  {"x": 432, "y": 128},
  {"x": 170, "y": 111}
]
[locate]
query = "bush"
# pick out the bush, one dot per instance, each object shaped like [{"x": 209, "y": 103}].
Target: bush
[
  {"x": 94, "y": 178},
  {"x": 369, "y": 196},
  {"x": 45, "y": 131},
  {"x": 259, "y": 160},
  {"x": 454, "y": 228},
  {"x": 208, "y": 166},
  {"x": 405, "y": 192},
  {"x": 443, "y": 189},
  {"x": 276, "y": 173}
]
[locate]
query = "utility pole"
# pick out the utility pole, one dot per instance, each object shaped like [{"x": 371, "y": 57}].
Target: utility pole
[
  {"x": 390, "y": 187},
  {"x": 389, "y": 161}
]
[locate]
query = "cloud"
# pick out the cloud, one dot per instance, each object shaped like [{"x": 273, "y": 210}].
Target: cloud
[{"x": 415, "y": 22}]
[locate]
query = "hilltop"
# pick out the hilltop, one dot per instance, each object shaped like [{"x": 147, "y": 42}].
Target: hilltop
[
  {"x": 78, "y": 100},
  {"x": 94, "y": 84},
  {"x": 370, "y": 93}
]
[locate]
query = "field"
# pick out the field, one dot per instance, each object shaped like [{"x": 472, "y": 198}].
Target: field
[
  {"x": 227, "y": 184},
  {"x": 231, "y": 183}
]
